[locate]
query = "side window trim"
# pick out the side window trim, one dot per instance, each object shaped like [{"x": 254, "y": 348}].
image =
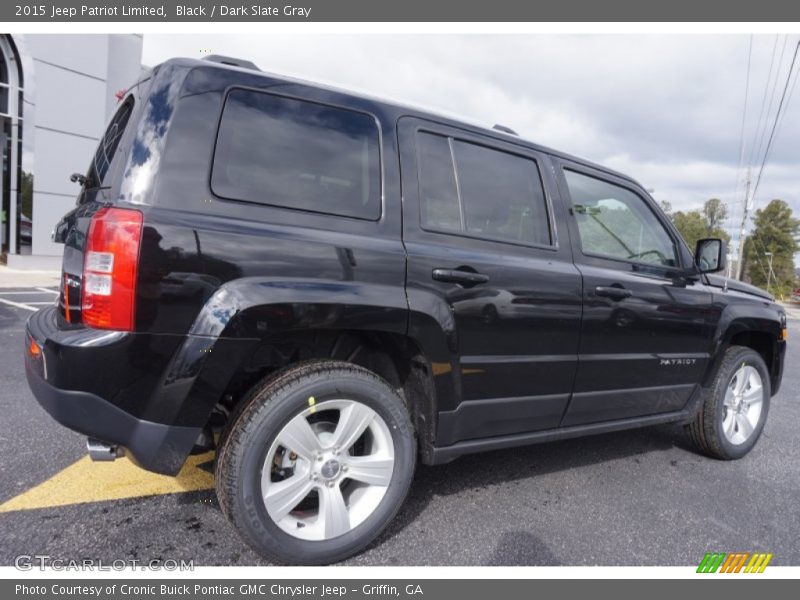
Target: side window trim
[
  {"x": 452, "y": 135},
  {"x": 563, "y": 166},
  {"x": 459, "y": 196}
]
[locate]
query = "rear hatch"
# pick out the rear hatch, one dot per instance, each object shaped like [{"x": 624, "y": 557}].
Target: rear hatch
[{"x": 99, "y": 187}]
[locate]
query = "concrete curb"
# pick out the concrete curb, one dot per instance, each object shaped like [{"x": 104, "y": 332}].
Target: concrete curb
[{"x": 13, "y": 278}]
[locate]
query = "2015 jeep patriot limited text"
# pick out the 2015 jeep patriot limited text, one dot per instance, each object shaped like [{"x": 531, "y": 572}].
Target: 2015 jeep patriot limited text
[{"x": 342, "y": 286}]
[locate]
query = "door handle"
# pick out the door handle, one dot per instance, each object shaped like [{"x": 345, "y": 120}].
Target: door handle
[
  {"x": 615, "y": 293},
  {"x": 467, "y": 278}
]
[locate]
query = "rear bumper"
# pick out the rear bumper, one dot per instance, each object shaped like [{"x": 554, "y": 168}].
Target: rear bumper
[
  {"x": 109, "y": 385},
  {"x": 153, "y": 446}
]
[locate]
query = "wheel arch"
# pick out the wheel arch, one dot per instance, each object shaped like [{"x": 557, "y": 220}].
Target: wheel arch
[
  {"x": 756, "y": 327},
  {"x": 253, "y": 327}
]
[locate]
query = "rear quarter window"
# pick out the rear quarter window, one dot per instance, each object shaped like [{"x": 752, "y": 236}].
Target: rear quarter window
[{"x": 297, "y": 154}]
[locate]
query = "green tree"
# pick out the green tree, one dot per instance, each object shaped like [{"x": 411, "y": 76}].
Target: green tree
[
  {"x": 776, "y": 230},
  {"x": 715, "y": 212},
  {"x": 691, "y": 226},
  {"x": 706, "y": 222}
]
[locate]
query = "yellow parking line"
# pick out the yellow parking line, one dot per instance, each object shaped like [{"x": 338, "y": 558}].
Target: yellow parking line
[{"x": 88, "y": 481}]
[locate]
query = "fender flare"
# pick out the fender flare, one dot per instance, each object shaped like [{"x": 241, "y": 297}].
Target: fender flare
[{"x": 742, "y": 318}]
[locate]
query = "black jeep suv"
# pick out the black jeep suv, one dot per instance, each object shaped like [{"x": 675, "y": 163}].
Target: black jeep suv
[{"x": 342, "y": 286}]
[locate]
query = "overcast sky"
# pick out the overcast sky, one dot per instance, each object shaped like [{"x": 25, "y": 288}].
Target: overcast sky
[{"x": 665, "y": 109}]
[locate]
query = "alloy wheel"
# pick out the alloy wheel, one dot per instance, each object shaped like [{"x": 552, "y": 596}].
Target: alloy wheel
[
  {"x": 742, "y": 406},
  {"x": 328, "y": 469}
]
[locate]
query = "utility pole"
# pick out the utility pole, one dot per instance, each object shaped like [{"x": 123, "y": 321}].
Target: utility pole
[
  {"x": 769, "y": 274},
  {"x": 744, "y": 227}
]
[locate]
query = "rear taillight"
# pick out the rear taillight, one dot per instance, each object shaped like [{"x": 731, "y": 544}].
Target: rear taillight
[{"x": 109, "y": 269}]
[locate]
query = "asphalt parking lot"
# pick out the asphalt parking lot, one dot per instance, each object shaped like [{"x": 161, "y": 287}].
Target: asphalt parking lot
[{"x": 633, "y": 498}]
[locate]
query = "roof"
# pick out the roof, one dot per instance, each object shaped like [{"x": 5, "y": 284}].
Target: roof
[{"x": 248, "y": 67}]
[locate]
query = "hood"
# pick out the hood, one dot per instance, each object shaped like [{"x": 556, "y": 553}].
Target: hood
[{"x": 740, "y": 286}]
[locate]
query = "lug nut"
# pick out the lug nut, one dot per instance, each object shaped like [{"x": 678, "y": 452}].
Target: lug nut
[
  {"x": 330, "y": 484},
  {"x": 344, "y": 467}
]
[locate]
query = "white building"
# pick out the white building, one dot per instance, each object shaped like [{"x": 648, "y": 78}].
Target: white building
[{"x": 57, "y": 92}]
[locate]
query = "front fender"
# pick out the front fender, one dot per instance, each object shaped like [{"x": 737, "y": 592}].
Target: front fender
[{"x": 742, "y": 316}]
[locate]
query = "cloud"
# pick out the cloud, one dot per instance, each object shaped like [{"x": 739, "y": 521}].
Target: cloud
[{"x": 665, "y": 109}]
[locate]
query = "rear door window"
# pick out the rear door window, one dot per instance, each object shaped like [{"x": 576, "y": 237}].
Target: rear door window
[
  {"x": 481, "y": 192},
  {"x": 298, "y": 154},
  {"x": 438, "y": 190}
]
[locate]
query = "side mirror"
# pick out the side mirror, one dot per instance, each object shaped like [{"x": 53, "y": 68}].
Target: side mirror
[{"x": 709, "y": 255}]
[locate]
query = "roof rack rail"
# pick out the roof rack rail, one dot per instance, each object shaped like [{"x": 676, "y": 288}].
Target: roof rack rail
[
  {"x": 234, "y": 62},
  {"x": 505, "y": 129}
]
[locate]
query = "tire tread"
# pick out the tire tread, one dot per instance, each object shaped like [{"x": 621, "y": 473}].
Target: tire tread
[{"x": 701, "y": 431}]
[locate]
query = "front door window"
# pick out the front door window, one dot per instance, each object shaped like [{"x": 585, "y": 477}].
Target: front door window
[{"x": 616, "y": 223}]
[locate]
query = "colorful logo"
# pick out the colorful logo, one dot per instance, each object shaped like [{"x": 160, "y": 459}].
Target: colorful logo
[{"x": 736, "y": 562}]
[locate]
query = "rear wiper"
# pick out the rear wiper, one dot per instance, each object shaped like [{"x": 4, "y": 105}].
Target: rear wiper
[
  {"x": 83, "y": 180},
  {"x": 87, "y": 182}
]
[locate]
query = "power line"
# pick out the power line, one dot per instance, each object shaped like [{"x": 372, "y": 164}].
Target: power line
[
  {"x": 772, "y": 96},
  {"x": 756, "y": 135},
  {"x": 777, "y": 120},
  {"x": 780, "y": 111},
  {"x": 792, "y": 87},
  {"x": 763, "y": 100}
]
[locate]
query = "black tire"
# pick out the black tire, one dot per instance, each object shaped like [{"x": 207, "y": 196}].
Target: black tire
[
  {"x": 266, "y": 409},
  {"x": 705, "y": 431}
]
